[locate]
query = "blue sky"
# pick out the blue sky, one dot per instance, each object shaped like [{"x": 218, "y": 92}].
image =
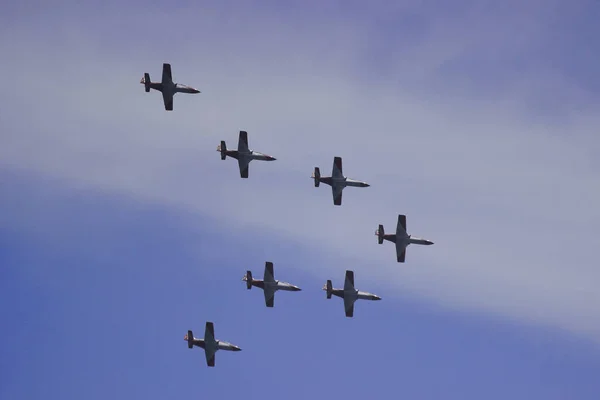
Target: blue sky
[{"x": 121, "y": 228}]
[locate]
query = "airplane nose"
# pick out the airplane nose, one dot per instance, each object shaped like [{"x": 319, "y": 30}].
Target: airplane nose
[
  {"x": 366, "y": 185},
  {"x": 237, "y": 349},
  {"x": 273, "y": 159},
  {"x": 297, "y": 289},
  {"x": 429, "y": 242},
  {"x": 376, "y": 298}
]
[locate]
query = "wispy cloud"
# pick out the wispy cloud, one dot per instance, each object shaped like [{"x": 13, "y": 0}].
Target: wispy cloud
[{"x": 508, "y": 193}]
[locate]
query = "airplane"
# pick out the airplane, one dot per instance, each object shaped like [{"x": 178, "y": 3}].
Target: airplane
[
  {"x": 166, "y": 86},
  {"x": 348, "y": 293},
  {"x": 243, "y": 154},
  {"x": 209, "y": 343},
  {"x": 401, "y": 238},
  {"x": 268, "y": 284},
  {"x": 337, "y": 180}
]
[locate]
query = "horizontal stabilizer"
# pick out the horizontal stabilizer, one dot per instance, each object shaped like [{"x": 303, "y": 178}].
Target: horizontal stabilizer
[
  {"x": 380, "y": 234},
  {"x": 329, "y": 288},
  {"x": 190, "y": 339},
  {"x": 223, "y": 149},
  {"x": 317, "y": 176},
  {"x": 249, "y": 279},
  {"x": 147, "y": 82}
]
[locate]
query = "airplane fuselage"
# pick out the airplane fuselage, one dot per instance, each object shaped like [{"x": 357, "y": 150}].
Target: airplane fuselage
[
  {"x": 221, "y": 345},
  {"x": 250, "y": 155},
  {"x": 354, "y": 294},
  {"x": 199, "y": 343},
  {"x": 275, "y": 286},
  {"x": 169, "y": 89},
  {"x": 343, "y": 182},
  {"x": 215, "y": 345},
  {"x": 156, "y": 86},
  {"x": 353, "y": 182},
  {"x": 405, "y": 241}
]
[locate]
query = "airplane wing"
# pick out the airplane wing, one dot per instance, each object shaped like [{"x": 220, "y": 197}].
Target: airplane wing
[
  {"x": 400, "y": 253},
  {"x": 210, "y": 357},
  {"x": 190, "y": 339},
  {"x": 269, "y": 296},
  {"x": 243, "y": 142},
  {"x": 243, "y": 163},
  {"x": 349, "y": 281},
  {"x": 337, "y": 194},
  {"x": 166, "y": 74},
  {"x": 337, "y": 168},
  {"x": 168, "y": 100},
  {"x": 401, "y": 226},
  {"x": 269, "y": 275},
  {"x": 209, "y": 351},
  {"x": 209, "y": 332},
  {"x": 349, "y": 306}
]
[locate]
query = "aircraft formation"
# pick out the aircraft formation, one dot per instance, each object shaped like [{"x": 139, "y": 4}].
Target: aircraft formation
[{"x": 337, "y": 181}]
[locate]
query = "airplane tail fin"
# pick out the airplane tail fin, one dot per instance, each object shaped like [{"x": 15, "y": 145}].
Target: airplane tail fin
[
  {"x": 248, "y": 279},
  {"x": 223, "y": 149},
  {"x": 190, "y": 339},
  {"x": 380, "y": 234},
  {"x": 317, "y": 176},
  {"x": 146, "y": 81},
  {"x": 329, "y": 288}
]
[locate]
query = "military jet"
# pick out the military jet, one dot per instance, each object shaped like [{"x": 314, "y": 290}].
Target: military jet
[
  {"x": 401, "y": 238},
  {"x": 348, "y": 293},
  {"x": 243, "y": 154},
  {"x": 166, "y": 86},
  {"x": 337, "y": 180},
  {"x": 268, "y": 284},
  {"x": 209, "y": 343}
]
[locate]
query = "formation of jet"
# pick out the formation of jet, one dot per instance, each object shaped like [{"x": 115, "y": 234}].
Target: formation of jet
[
  {"x": 337, "y": 180},
  {"x": 243, "y": 154},
  {"x": 401, "y": 238},
  {"x": 166, "y": 86},
  {"x": 348, "y": 293},
  {"x": 268, "y": 284},
  {"x": 209, "y": 343}
]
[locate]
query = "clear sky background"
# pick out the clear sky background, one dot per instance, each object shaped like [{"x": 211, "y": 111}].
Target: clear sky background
[{"x": 121, "y": 228}]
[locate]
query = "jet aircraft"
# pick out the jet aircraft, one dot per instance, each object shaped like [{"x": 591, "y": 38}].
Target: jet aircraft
[
  {"x": 348, "y": 293},
  {"x": 337, "y": 180},
  {"x": 243, "y": 154},
  {"x": 269, "y": 284},
  {"x": 209, "y": 343},
  {"x": 166, "y": 86},
  {"x": 401, "y": 238}
]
